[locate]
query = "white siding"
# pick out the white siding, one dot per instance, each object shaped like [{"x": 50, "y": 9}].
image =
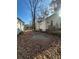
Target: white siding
[
  {"x": 37, "y": 26},
  {"x": 20, "y": 26},
  {"x": 43, "y": 26},
  {"x": 56, "y": 21},
  {"x": 47, "y": 22}
]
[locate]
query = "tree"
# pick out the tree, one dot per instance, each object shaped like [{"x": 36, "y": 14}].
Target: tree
[
  {"x": 56, "y": 5},
  {"x": 44, "y": 13},
  {"x": 38, "y": 8},
  {"x": 33, "y": 8}
]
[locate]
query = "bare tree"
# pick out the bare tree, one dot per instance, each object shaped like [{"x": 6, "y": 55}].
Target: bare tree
[
  {"x": 44, "y": 12},
  {"x": 33, "y": 7},
  {"x": 55, "y": 4},
  {"x": 38, "y": 9}
]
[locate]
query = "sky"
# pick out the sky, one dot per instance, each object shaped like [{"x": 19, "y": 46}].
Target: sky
[
  {"x": 24, "y": 12},
  {"x": 24, "y": 15}
]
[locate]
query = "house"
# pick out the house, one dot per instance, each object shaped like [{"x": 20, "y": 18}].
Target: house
[
  {"x": 41, "y": 25},
  {"x": 20, "y": 25},
  {"x": 52, "y": 22}
]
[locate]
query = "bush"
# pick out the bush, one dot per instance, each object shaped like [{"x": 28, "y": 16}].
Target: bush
[
  {"x": 57, "y": 34},
  {"x": 20, "y": 33}
]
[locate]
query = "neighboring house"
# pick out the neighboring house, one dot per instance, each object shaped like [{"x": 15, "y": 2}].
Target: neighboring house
[
  {"x": 41, "y": 25},
  {"x": 53, "y": 21},
  {"x": 20, "y": 25},
  {"x": 50, "y": 22}
]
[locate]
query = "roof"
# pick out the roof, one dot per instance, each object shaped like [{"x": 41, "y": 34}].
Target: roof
[
  {"x": 53, "y": 15},
  {"x": 20, "y": 19}
]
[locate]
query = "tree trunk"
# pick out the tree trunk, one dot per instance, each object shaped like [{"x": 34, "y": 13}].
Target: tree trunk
[
  {"x": 34, "y": 19},
  {"x": 33, "y": 24}
]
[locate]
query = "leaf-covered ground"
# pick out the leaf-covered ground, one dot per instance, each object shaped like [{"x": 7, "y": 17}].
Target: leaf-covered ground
[{"x": 36, "y": 45}]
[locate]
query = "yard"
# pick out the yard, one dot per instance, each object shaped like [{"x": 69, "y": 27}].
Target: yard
[{"x": 37, "y": 45}]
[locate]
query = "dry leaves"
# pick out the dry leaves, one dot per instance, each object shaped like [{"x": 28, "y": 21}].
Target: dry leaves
[{"x": 27, "y": 48}]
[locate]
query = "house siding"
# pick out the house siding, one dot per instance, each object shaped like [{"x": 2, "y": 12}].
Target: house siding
[
  {"x": 54, "y": 19},
  {"x": 20, "y": 26}
]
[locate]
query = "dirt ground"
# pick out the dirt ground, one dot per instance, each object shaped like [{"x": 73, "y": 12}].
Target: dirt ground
[{"x": 36, "y": 45}]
